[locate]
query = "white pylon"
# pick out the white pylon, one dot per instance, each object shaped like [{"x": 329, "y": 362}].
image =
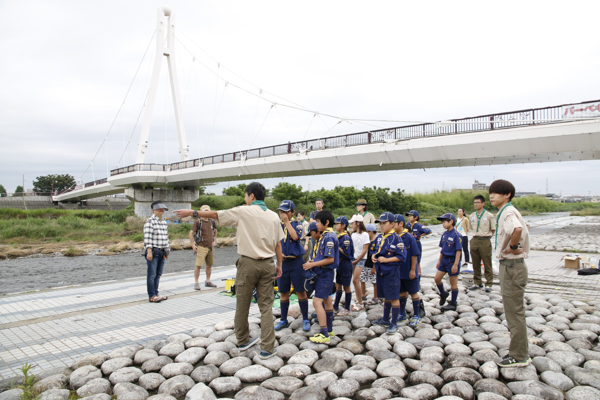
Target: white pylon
[{"x": 163, "y": 12}]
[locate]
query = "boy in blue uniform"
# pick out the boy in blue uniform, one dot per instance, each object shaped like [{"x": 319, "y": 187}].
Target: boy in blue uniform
[
  {"x": 292, "y": 272},
  {"x": 418, "y": 232},
  {"x": 409, "y": 279},
  {"x": 388, "y": 257},
  {"x": 326, "y": 260},
  {"x": 449, "y": 262},
  {"x": 343, "y": 276}
]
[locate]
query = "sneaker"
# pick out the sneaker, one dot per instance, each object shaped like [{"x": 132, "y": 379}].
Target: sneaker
[
  {"x": 246, "y": 346},
  {"x": 414, "y": 321},
  {"x": 319, "y": 338},
  {"x": 381, "y": 322},
  {"x": 488, "y": 289},
  {"x": 197, "y": 286},
  {"x": 392, "y": 329},
  {"x": 209, "y": 284},
  {"x": 264, "y": 355},
  {"x": 475, "y": 287},
  {"x": 306, "y": 325},
  {"x": 402, "y": 318},
  {"x": 449, "y": 307},
  {"x": 281, "y": 324},
  {"x": 331, "y": 334},
  {"x": 443, "y": 298},
  {"x": 510, "y": 362},
  {"x": 343, "y": 312}
]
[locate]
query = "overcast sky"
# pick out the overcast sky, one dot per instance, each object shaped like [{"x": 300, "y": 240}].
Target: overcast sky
[{"x": 67, "y": 66}]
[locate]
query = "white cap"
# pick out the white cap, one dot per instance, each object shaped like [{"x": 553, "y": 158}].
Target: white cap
[{"x": 357, "y": 218}]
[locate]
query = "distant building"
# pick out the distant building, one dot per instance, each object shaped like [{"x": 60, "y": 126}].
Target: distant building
[
  {"x": 525, "y": 194},
  {"x": 480, "y": 185}
]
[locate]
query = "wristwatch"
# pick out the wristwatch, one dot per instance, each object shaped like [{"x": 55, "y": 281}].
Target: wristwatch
[
  {"x": 515, "y": 247},
  {"x": 195, "y": 214}
]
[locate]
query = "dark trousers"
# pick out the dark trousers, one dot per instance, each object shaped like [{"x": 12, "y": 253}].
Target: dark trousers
[
  {"x": 465, "y": 245},
  {"x": 155, "y": 270}
]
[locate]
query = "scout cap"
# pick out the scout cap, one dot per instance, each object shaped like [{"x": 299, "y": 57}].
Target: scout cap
[
  {"x": 287, "y": 205},
  {"x": 361, "y": 202},
  {"x": 341, "y": 220},
  {"x": 448, "y": 216},
  {"x": 313, "y": 227},
  {"x": 157, "y": 205},
  {"x": 400, "y": 218},
  {"x": 205, "y": 207},
  {"x": 371, "y": 228},
  {"x": 357, "y": 218},
  {"x": 414, "y": 213},
  {"x": 386, "y": 216}
]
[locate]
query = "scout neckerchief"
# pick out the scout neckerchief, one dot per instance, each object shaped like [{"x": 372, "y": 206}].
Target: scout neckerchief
[
  {"x": 383, "y": 240},
  {"x": 344, "y": 232},
  {"x": 284, "y": 226},
  {"x": 479, "y": 218},
  {"x": 498, "y": 219},
  {"x": 318, "y": 243},
  {"x": 259, "y": 203}
]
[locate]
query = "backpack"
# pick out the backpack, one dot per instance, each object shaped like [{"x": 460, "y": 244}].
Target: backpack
[{"x": 198, "y": 233}]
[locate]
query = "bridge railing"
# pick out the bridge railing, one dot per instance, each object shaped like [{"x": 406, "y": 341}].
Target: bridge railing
[{"x": 534, "y": 116}]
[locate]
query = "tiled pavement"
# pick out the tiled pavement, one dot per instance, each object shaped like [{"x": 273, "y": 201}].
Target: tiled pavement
[{"x": 55, "y": 327}]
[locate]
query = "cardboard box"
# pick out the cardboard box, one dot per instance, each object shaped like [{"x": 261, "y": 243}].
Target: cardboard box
[{"x": 572, "y": 262}]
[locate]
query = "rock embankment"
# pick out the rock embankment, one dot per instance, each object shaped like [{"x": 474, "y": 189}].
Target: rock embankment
[
  {"x": 584, "y": 238},
  {"x": 448, "y": 356}
]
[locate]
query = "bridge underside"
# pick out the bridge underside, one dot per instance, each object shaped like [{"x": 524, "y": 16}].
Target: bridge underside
[{"x": 571, "y": 141}]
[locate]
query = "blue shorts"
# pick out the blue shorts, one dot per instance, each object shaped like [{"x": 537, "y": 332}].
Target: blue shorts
[
  {"x": 343, "y": 274},
  {"x": 410, "y": 285},
  {"x": 292, "y": 273},
  {"x": 388, "y": 285},
  {"x": 324, "y": 284},
  {"x": 446, "y": 265},
  {"x": 420, "y": 252}
]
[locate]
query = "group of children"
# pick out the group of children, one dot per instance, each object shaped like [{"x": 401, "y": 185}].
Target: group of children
[{"x": 395, "y": 254}]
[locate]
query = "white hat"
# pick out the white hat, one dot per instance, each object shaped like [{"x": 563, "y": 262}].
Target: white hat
[{"x": 356, "y": 218}]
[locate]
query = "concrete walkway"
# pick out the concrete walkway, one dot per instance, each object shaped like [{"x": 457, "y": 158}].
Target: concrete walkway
[{"x": 55, "y": 327}]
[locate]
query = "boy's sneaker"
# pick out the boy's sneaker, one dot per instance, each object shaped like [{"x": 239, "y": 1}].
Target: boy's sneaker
[
  {"x": 475, "y": 287},
  {"x": 488, "y": 289},
  {"x": 381, "y": 322},
  {"x": 319, "y": 338},
  {"x": 392, "y": 329},
  {"x": 331, "y": 334},
  {"x": 443, "y": 298},
  {"x": 414, "y": 321},
  {"x": 252, "y": 342},
  {"x": 343, "y": 312},
  {"x": 510, "y": 362},
  {"x": 281, "y": 324},
  {"x": 264, "y": 355},
  {"x": 402, "y": 318},
  {"x": 449, "y": 307},
  {"x": 306, "y": 325}
]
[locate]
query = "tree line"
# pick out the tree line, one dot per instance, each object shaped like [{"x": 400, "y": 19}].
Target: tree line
[{"x": 45, "y": 185}]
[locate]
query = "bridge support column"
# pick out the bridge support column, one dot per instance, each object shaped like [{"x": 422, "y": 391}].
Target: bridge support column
[{"x": 174, "y": 199}]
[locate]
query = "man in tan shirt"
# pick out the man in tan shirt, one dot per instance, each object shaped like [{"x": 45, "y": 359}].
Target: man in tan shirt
[
  {"x": 512, "y": 248},
  {"x": 258, "y": 240},
  {"x": 483, "y": 225}
]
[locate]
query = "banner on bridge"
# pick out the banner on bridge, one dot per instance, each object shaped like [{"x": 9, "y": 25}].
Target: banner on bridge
[{"x": 585, "y": 110}]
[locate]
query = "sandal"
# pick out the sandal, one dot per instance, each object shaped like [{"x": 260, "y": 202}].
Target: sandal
[
  {"x": 357, "y": 307},
  {"x": 372, "y": 302},
  {"x": 155, "y": 299},
  {"x": 163, "y": 298}
]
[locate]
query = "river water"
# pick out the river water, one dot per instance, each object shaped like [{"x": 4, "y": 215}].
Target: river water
[{"x": 26, "y": 274}]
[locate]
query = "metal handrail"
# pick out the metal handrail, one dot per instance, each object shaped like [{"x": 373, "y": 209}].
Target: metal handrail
[{"x": 487, "y": 122}]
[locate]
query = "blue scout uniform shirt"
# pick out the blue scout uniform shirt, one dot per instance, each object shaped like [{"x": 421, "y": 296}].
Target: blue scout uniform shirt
[
  {"x": 418, "y": 230},
  {"x": 451, "y": 243},
  {"x": 346, "y": 245},
  {"x": 291, "y": 247},
  {"x": 328, "y": 247},
  {"x": 390, "y": 246},
  {"x": 410, "y": 245}
]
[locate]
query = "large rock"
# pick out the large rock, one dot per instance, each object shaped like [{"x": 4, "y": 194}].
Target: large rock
[
  {"x": 204, "y": 331},
  {"x": 489, "y": 370},
  {"x": 459, "y": 389},
  {"x": 343, "y": 388},
  {"x": 129, "y": 391},
  {"x": 172, "y": 349},
  {"x": 274, "y": 363},
  {"x": 205, "y": 373},
  {"x": 557, "y": 380},
  {"x": 52, "y": 394},
  {"x": 58, "y": 381},
  {"x": 543, "y": 364},
  {"x": 566, "y": 358},
  {"x": 536, "y": 388},
  {"x": 337, "y": 353},
  {"x": 321, "y": 379},
  {"x": 461, "y": 374},
  {"x": 334, "y": 365},
  {"x": 286, "y": 351},
  {"x": 528, "y": 373},
  {"x": 95, "y": 360},
  {"x": 201, "y": 392},
  {"x": 226, "y": 384},
  {"x": 454, "y": 361},
  {"x": 393, "y": 384},
  {"x": 309, "y": 393},
  {"x": 258, "y": 393},
  {"x": 306, "y": 357},
  {"x": 284, "y": 384},
  {"x": 418, "y": 365},
  {"x": 199, "y": 342},
  {"x": 583, "y": 376},
  {"x": 156, "y": 364},
  {"x": 175, "y": 369},
  {"x": 127, "y": 374},
  {"x": 230, "y": 367},
  {"x": 102, "y": 396},
  {"x": 110, "y": 366},
  {"x": 220, "y": 336},
  {"x": 216, "y": 358},
  {"x": 83, "y": 375},
  {"x": 405, "y": 350},
  {"x": 423, "y": 391},
  {"x": 127, "y": 352},
  {"x": 352, "y": 345},
  {"x": 299, "y": 371},
  {"x": 373, "y": 394},
  {"x": 391, "y": 368},
  {"x": 177, "y": 386},
  {"x": 151, "y": 381},
  {"x": 191, "y": 355},
  {"x": 155, "y": 345},
  {"x": 583, "y": 393},
  {"x": 493, "y": 386},
  {"x": 221, "y": 346},
  {"x": 360, "y": 374},
  {"x": 144, "y": 355},
  {"x": 367, "y": 361},
  {"x": 95, "y": 386},
  {"x": 419, "y": 377},
  {"x": 254, "y": 373}
]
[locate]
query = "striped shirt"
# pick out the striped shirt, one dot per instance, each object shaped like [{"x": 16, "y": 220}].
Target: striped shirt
[{"x": 156, "y": 233}]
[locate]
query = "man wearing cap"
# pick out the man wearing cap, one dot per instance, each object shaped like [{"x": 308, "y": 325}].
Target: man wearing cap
[
  {"x": 483, "y": 225},
  {"x": 156, "y": 249},
  {"x": 418, "y": 231},
  {"x": 203, "y": 237},
  {"x": 361, "y": 207},
  {"x": 292, "y": 271},
  {"x": 258, "y": 237},
  {"x": 449, "y": 261}
]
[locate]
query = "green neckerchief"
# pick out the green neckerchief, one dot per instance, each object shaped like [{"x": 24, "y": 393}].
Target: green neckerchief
[
  {"x": 259, "y": 203},
  {"x": 479, "y": 218},
  {"x": 497, "y": 222}
]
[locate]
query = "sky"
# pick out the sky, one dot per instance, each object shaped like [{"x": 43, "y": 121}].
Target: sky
[{"x": 74, "y": 77}]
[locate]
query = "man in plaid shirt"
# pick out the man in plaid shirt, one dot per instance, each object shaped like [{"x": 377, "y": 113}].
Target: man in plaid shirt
[{"x": 156, "y": 248}]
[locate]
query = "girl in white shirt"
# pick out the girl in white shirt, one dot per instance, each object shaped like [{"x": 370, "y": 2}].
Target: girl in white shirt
[
  {"x": 360, "y": 239},
  {"x": 462, "y": 226}
]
